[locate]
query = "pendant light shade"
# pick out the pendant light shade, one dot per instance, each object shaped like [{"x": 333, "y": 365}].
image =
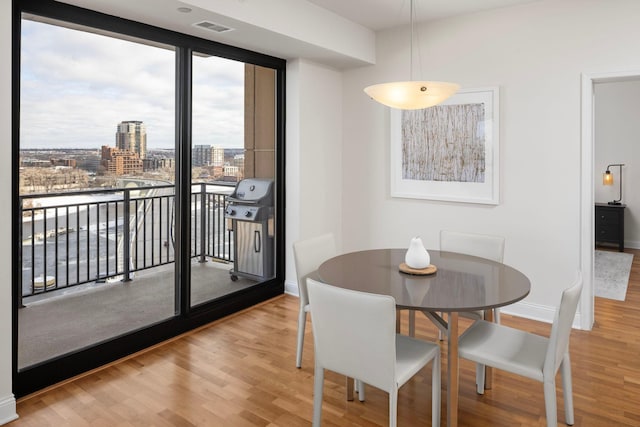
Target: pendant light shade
[{"x": 411, "y": 95}]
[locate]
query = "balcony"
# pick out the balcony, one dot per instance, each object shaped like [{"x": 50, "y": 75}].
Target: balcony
[{"x": 107, "y": 257}]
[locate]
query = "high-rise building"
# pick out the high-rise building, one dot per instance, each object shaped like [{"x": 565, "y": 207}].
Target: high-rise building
[
  {"x": 132, "y": 136},
  {"x": 238, "y": 160},
  {"x": 201, "y": 155},
  {"x": 207, "y": 155},
  {"x": 218, "y": 156}
]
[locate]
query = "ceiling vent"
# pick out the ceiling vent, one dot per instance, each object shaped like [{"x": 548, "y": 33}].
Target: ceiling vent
[{"x": 212, "y": 26}]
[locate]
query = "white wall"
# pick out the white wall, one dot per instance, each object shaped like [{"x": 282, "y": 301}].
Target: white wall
[
  {"x": 535, "y": 53},
  {"x": 314, "y": 156},
  {"x": 7, "y": 400},
  {"x": 617, "y": 140}
]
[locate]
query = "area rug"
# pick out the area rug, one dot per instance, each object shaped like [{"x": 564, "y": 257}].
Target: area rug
[{"x": 611, "y": 274}]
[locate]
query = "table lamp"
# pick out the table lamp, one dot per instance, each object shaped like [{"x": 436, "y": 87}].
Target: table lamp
[{"x": 607, "y": 179}]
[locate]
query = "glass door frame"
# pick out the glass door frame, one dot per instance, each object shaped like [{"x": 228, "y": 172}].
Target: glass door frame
[{"x": 36, "y": 377}]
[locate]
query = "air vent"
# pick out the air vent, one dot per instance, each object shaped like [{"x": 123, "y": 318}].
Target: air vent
[{"x": 212, "y": 26}]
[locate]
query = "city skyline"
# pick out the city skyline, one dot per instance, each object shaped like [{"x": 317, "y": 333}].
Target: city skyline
[{"x": 77, "y": 86}]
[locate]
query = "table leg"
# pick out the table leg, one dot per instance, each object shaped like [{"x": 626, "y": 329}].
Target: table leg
[
  {"x": 452, "y": 371},
  {"x": 350, "y": 388}
]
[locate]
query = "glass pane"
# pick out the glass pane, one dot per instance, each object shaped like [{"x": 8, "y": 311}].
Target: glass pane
[
  {"x": 96, "y": 188},
  {"x": 230, "y": 254}
]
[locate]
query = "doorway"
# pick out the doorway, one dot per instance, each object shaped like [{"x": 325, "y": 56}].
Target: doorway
[{"x": 589, "y": 177}]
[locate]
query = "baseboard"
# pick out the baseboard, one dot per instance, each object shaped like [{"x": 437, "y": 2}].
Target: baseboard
[
  {"x": 8, "y": 409},
  {"x": 542, "y": 313},
  {"x": 628, "y": 244},
  {"x": 291, "y": 288}
]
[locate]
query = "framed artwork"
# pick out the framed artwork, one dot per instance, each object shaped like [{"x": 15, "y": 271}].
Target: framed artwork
[{"x": 450, "y": 151}]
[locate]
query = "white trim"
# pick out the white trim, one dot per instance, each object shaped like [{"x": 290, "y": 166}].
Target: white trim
[
  {"x": 632, "y": 244},
  {"x": 586, "y": 191},
  {"x": 8, "y": 409},
  {"x": 531, "y": 311},
  {"x": 291, "y": 288},
  {"x": 586, "y": 203},
  {"x": 537, "y": 312}
]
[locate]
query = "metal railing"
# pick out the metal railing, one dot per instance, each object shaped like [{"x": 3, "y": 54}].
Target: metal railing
[{"x": 73, "y": 238}]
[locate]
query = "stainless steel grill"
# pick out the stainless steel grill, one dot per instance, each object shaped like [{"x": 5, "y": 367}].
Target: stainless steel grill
[{"x": 250, "y": 211}]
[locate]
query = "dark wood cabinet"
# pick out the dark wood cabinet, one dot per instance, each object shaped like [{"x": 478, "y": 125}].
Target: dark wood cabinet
[{"x": 610, "y": 224}]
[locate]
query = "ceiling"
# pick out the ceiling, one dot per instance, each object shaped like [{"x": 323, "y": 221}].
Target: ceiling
[
  {"x": 383, "y": 14},
  {"x": 363, "y": 16}
]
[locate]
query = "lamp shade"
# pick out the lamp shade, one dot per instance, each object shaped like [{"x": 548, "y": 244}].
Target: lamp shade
[
  {"x": 607, "y": 178},
  {"x": 411, "y": 95}
]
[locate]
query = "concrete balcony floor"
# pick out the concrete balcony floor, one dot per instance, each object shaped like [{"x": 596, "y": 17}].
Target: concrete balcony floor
[{"x": 56, "y": 323}]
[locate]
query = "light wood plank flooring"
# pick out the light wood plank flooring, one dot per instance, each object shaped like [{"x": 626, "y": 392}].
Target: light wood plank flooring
[{"x": 240, "y": 371}]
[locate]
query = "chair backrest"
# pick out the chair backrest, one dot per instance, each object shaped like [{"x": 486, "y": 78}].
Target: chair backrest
[
  {"x": 561, "y": 329},
  {"x": 480, "y": 245},
  {"x": 354, "y": 333},
  {"x": 308, "y": 255}
]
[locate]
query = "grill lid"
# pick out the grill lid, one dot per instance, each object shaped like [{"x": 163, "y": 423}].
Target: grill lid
[{"x": 254, "y": 191}]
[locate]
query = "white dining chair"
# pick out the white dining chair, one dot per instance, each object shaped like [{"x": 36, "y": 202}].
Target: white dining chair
[
  {"x": 308, "y": 255},
  {"x": 480, "y": 245},
  {"x": 527, "y": 354},
  {"x": 354, "y": 335}
]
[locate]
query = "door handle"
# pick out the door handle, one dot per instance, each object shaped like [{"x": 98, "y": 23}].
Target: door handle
[{"x": 257, "y": 241}]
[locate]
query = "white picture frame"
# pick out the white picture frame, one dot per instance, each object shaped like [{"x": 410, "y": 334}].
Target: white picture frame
[{"x": 449, "y": 152}]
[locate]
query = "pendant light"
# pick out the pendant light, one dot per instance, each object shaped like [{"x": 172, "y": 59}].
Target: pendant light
[{"x": 411, "y": 95}]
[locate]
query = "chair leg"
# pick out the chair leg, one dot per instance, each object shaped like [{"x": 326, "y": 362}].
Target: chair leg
[
  {"x": 393, "y": 407},
  {"x": 567, "y": 389},
  {"x": 435, "y": 391},
  {"x": 318, "y": 385},
  {"x": 359, "y": 385},
  {"x": 551, "y": 408},
  {"x": 480, "y": 378},
  {"x": 412, "y": 323},
  {"x": 302, "y": 321},
  {"x": 484, "y": 374}
]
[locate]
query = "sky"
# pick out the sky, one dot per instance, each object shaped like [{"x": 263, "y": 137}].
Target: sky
[{"x": 77, "y": 86}]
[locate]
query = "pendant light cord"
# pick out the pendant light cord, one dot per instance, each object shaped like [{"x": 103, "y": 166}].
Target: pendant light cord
[
  {"x": 411, "y": 44},
  {"x": 411, "y": 95}
]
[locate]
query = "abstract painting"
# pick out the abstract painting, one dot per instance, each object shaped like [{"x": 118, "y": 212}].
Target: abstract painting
[{"x": 449, "y": 151}]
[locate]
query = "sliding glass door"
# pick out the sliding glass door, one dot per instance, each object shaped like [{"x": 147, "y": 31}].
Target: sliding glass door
[
  {"x": 129, "y": 150},
  {"x": 96, "y": 188},
  {"x": 232, "y": 240}
]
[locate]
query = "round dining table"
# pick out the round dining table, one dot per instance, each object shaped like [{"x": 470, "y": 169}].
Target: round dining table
[{"x": 460, "y": 283}]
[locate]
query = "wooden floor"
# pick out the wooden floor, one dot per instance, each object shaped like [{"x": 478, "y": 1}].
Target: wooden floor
[{"x": 240, "y": 371}]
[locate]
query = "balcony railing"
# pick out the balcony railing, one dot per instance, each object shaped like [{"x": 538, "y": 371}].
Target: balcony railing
[{"x": 74, "y": 238}]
